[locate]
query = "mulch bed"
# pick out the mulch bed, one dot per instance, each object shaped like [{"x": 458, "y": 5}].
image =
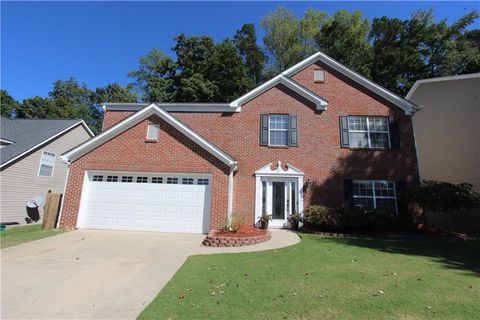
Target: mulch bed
[{"x": 245, "y": 236}]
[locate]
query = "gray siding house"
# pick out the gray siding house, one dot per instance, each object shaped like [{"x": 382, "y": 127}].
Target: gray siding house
[
  {"x": 30, "y": 161},
  {"x": 447, "y": 128}
]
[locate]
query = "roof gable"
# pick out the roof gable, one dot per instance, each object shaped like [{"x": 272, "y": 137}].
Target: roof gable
[
  {"x": 26, "y": 135},
  {"x": 400, "y": 102},
  {"x": 320, "y": 102},
  {"x": 152, "y": 109}
]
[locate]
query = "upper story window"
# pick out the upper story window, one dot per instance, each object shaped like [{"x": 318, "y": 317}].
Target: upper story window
[
  {"x": 368, "y": 132},
  {"x": 47, "y": 163},
  {"x": 152, "y": 132},
  {"x": 319, "y": 75},
  {"x": 278, "y": 130},
  {"x": 374, "y": 194}
]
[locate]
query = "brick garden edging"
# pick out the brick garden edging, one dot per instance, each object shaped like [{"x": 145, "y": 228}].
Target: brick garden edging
[{"x": 214, "y": 239}]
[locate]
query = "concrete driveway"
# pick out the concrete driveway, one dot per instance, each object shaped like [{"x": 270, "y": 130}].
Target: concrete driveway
[
  {"x": 90, "y": 273},
  {"x": 97, "y": 274}
]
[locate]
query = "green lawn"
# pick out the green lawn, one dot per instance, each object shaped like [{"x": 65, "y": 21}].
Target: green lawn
[
  {"x": 329, "y": 278},
  {"x": 17, "y": 235}
]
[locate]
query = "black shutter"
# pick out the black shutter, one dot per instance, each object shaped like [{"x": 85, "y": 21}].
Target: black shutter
[
  {"x": 402, "y": 204},
  {"x": 394, "y": 138},
  {"x": 264, "y": 129},
  {"x": 344, "y": 143},
  {"x": 348, "y": 193},
  {"x": 293, "y": 131}
]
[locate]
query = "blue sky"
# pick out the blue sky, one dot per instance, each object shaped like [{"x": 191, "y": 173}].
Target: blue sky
[{"x": 100, "y": 42}]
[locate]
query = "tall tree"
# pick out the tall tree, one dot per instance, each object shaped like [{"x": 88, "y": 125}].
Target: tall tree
[
  {"x": 344, "y": 37},
  {"x": 289, "y": 39},
  {"x": 418, "y": 48},
  {"x": 155, "y": 77},
  {"x": 8, "y": 104},
  {"x": 253, "y": 57},
  {"x": 114, "y": 92}
]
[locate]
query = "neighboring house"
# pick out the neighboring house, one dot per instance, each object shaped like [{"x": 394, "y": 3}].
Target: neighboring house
[
  {"x": 447, "y": 128},
  {"x": 318, "y": 133},
  {"x": 30, "y": 161}
]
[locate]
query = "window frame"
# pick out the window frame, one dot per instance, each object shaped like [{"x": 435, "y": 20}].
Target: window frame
[
  {"x": 157, "y": 128},
  {"x": 374, "y": 197},
  {"x": 41, "y": 161},
  {"x": 286, "y": 145},
  {"x": 368, "y": 131},
  {"x": 315, "y": 76}
]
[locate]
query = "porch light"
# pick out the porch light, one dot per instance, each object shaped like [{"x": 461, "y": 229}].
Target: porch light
[{"x": 307, "y": 184}]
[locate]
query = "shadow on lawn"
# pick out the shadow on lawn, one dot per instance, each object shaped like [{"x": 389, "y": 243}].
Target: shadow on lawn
[{"x": 452, "y": 254}]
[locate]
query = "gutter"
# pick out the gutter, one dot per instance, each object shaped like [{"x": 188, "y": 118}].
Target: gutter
[{"x": 233, "y": 168}]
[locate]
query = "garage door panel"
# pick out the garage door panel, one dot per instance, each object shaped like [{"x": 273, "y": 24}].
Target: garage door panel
[{"x": 146, "y": 206}]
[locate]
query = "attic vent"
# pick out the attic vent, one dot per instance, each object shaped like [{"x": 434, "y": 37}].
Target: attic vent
[{"x": 319, "y": 76}]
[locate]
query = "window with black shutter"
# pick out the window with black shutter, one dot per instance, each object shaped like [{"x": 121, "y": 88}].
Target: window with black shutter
[{"x": 278, "y": 130}]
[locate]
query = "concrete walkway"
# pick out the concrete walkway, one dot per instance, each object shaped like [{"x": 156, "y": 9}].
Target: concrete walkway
[{"x": 97, "y": 274}]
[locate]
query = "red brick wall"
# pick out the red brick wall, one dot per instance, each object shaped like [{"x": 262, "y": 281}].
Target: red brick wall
[
  {"x": 129, "y": 152},
  {"x": 319, "y": 154}
]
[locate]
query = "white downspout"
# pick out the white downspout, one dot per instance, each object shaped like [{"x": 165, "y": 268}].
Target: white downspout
[{"x": 233, "y": 168}]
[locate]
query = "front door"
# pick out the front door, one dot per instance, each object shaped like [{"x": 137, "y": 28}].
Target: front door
[{"x": 281, "y": 197}]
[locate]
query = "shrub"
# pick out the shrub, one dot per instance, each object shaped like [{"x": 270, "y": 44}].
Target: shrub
[
  {"x": 237, "y": 220},
  {"x": 344, "y": 220}
]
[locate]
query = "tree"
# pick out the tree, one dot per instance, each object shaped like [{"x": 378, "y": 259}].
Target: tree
[
  {"x": 418, "y": 48},
  {"x": 344, "y": 37},
  {"x": 155, "y": 77},
  {"x": 228, "y": 72},
  {"x": 37, "y": 108},
  {"x": 288, "y": 39},
  {"x": 252, "y": 56},
  {"x": 8, "y": 104},
  {"x": 114, "y": 92}
]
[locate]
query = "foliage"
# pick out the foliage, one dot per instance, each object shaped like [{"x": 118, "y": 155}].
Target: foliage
[
  {"x": 237, "y": 220},
  {"x": 323, "y": 218},
  {"x": 114, "y": 92},
  {"x": 265, "y": 218},
  {"x": 295, "y": 217},
  {"x": 443, "y": 196},
  {"x": 344, "y": 36},
  {"x": 289, "y": 40},
  {"x": 155, "y": 76},
  {"x": 407, "y": 50},
  {"x": 251, "y": 53},
  {"x": 8, "y": 105}
]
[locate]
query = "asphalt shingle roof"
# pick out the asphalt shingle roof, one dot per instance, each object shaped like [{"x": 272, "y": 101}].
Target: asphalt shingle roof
[{"x": 27, "y": 133}]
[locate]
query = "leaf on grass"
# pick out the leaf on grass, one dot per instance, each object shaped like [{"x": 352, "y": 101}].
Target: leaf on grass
[
  {"x": 428, "y": 307},
  {"x": 378, "y": 293},
  {"x": 181, "y": 297}
]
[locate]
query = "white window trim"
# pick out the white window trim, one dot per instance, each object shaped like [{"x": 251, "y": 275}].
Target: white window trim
[
  {"x": 374, "y": 196},
  {"x": 368, "y": 131},
  {"x": 288, "y": 124},
  {"x": 40, "y": 164},
  {"x": 157, "y": 128}
]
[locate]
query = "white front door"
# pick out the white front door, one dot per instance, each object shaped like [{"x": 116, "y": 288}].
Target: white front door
[{"x": 281, "y": 199}]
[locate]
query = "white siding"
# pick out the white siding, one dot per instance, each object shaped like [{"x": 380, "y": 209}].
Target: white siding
[
  {"x": 447, "y": 130},
  {"x": 20, "y": 181}
]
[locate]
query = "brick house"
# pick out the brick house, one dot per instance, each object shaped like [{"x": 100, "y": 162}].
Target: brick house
[{"x": 318, "y": 133}]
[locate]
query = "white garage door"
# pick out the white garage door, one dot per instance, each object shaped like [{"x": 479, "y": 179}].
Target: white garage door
[{"x": 147, "y": 202}]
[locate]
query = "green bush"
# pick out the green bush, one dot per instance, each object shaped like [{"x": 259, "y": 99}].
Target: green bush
[{"x": 323, "y": 218}]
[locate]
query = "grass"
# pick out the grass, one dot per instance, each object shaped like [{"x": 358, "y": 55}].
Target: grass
[
  {"x": 17, "y": 235},
  {"x": 329, "y": 278}
]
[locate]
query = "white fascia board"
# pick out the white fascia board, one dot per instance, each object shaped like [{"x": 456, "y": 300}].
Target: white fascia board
[
  {"x": 122, "y": 126},
  {"x": 6, "y": 141},
  {"x": 174, "y": 107},
  {"x": 289, "y": 83},
  {"x": 47, "y": 141},
  {"x": 407, "y": 106}
]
